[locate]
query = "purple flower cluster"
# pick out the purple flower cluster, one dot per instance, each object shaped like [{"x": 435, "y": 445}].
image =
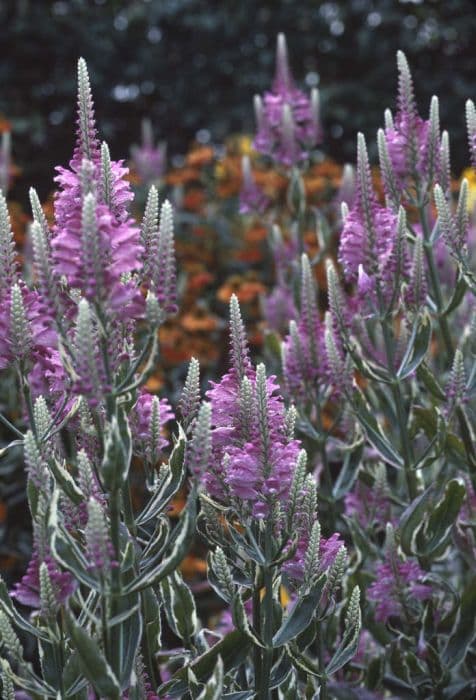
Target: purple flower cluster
[
  {"x": 253, "y": 457},
  {"x": 149, "y": 160},
  {"x": 252, "y": 198},
  {"x": 288, "y": 121},
  {"x": 397, "y": 586},
  {"x": 148, "y": 419},
  {"x": 370, "y": 249}
]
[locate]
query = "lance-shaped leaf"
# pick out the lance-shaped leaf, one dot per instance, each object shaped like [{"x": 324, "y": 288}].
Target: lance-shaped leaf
[
  {"x": 240, "y": 619},
  {"x": 169, "y": 487},
  {"x": 417, "y": 347},
  {"x": 232, "y": 649},
  {"x": 464, "y": 629},
  {"x": 214, "y": 687},
  {"x": 93, "y": 664},
  {"x": 374, "y": 433},
  {"x": 181, "y": 539},
  {"x": 350, "y": 640},
  {"x": 301, "y": 615},
  {"x": 179, "y": 606},
  {"x": 348, "y": 471},
  {"x": 411, "y": 519},
  {"x": 442, "y": 518},
  {"x": 117, "y": 452}
]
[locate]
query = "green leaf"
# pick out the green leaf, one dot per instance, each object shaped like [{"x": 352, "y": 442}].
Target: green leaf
[
  {"x": 464, "y": 630},
  {"x": 442, "y": 518},
  {"x": 169, "y": 487},
  {"x": 152, "y": 620},
  {"x": 214, "y": 687},
  {"x": 232, "y": 649},
  {"x": 458, "y": 296},
  {"x": 66, "y": 481},
  {"x": 241, "y": 622},
  {"x": 345, "y": 651},
  {"x": 428, "y": 379},
  {"x": 93, "y": 664},
  {"x": 417, "y": 347},
  {"x": 348, "y": 472},
  {"x": 182, "y": 537},
  {"x": 374, "y": 433},
  {"x": 411, "y": 520},
  {"x": 117, "y": 451},
  {"x": 179, "y": 606},
  {"x": 301, "y": 615}
]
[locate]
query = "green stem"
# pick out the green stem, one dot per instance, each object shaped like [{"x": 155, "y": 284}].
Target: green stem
[
  {"x": 267, "y": 602},
  {"x": 257, "y": 627},
  {"x": 410, "y": 476},
  {"x": 435, "y": 283}
]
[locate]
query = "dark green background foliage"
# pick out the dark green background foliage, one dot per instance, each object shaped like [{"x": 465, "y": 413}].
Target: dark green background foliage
[{"x": 194, "y": 64}]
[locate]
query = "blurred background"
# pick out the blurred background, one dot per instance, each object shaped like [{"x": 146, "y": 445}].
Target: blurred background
[{"x": 193, "y": 66}]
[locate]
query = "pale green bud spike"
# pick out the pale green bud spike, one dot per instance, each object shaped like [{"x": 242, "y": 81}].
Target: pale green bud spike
[
  {"x": 290, "y": 422},
  {"x": 199, "y": 451},
  {"x": 406, "y": 98},
  {"x": 336, "y": 302},
  {"x": 85, "y": 343},
  {"x": 190, "y": 399},
  {"x": 44, "y": 269},
  {"x": 154, "y": 429},
  {"x": 153, "y": 311},
  {"x": 315, "y": 109},
  {"x": 445, "y": 162},
  {"x": 41, "y": 416},
  {"x": 471, "y": 126},
  {"x": 39, "y": 214},
  {"x": 311, "y": 559},
  {"x": 91, "y": 250},
  {"x": 276, "y": 237},
  {"x": 262, "y": 415},
  {"x": 8, "y": 689},
  {"x": 87, "y": 177},
  {"x": 85, "y": 473},
  {"x": 49, "y": 604},
  {"x": 336, "y": 571},
  {"x": 150, "y": 223},
  {"x": 106, "y": 175},
  {"x": 388, "y": 118},
  {"x": 353, "y": 616},
  {"x": 20, "y": 332},
  {"x": 434, "y": 139},
  {"x": 246, "y": 419},
  {"x": 462, "y": 213},
  {"x": 9, "y": 640},
  {"x": 366, "y": 197},
  {"x": 223, "y": 572},
  {"x": 392, "y": 192},
  {"x": 8, "y": 268},
  {"x": 309, "y": 507},
  {"x": 445, "y": 220},
  {"x": 96, "y": 535},
  {"x": 344, "y": 211},
  {"x": 297, "y": 485},
  {"x": 258, "y": 109},
  {"x": 34, "y": 460},
  {"x": 86, "y": 143},
  {"x": 239, "y": 344},
  {"x": 5, "y": 157},
  {"x": 457, "y": 384}
]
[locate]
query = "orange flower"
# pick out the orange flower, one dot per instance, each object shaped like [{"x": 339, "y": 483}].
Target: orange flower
[
  {"x": 194, "y": 199},
  {"x": 183, "y": 176},
  {"x": 192, "y": 565},
  {"x": 255, "y": 233},
  {"x": 200, "y": 156},
  {"x": 199, "y": 320},
  {"x": 246, "y": 290}
]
